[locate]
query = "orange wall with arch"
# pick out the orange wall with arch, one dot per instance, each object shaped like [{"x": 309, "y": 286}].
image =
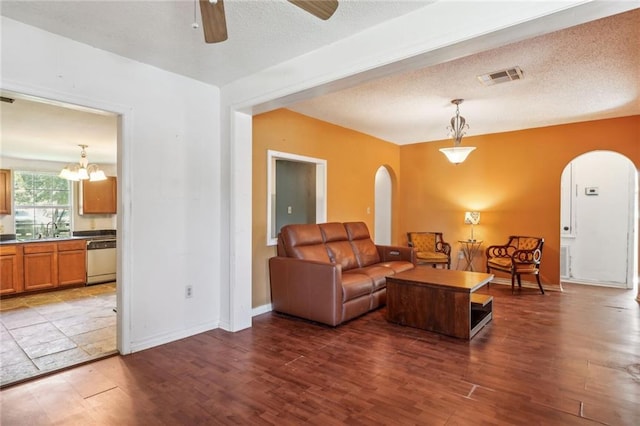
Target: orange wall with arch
[
  {"x": 512, "y": 178},
  {"x": 353, "y": 159}
]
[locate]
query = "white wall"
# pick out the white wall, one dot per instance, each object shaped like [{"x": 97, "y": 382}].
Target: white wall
[{"x": 168, "y": 169}]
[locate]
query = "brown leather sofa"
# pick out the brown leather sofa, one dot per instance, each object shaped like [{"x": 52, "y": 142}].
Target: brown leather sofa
[{"x": 332, "y": 272}]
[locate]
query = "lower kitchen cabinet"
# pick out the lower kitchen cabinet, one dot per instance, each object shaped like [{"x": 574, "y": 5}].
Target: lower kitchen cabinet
[
  {"x": 11, "y": 272},
  {"x": 46, "y": 265},
  {"x": 72, "y": 262},
  {"x": 40, "y": 266}
]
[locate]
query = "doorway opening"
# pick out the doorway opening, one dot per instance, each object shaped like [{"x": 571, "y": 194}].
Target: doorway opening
[
  {"x": 296, "y": 191},
  {"x": 69, "y": 324},
  {"x": 383, "y": 209},
  {"x": 598, "y": 219}
]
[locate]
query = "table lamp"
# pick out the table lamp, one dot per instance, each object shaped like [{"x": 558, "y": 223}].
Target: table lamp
[{"x": 472, "y": 218}]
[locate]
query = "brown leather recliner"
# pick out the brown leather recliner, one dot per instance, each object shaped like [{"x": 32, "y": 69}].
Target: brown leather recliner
[{"x": 332, "y": 272}]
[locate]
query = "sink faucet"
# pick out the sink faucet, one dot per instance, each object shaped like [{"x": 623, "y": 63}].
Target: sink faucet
[{"x": 54, "y": 227}]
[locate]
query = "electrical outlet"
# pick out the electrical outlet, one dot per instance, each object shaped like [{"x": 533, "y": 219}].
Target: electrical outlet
[
  {"x": 188, "y": 291},
  {"x": 460, "y": 254}
]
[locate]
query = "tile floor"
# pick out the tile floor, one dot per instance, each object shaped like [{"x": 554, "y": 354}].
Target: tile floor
[{"x": 43, "y": 332}]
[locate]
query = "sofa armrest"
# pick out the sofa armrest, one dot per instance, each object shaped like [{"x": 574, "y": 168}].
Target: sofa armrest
[
  {"x": 307, "y": 289},
  {"x": 391, "y": 253}
]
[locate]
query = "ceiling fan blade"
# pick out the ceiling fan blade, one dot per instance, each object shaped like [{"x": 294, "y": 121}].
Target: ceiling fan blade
[
  {"x": 213, "y": 21},
  {"x": 322, "y": 9}
]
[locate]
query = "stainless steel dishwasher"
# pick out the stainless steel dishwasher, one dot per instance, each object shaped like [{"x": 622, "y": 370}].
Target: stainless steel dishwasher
[{"x": 101, "y": 260}]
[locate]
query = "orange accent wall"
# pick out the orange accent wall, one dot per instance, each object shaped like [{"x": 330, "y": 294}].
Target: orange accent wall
[
  {"x": 352, "y": 161},
  {"x": 512, "y": 178}
]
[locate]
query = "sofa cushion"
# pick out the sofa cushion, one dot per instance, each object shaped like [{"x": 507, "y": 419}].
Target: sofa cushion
[
  {"x": 333, "y": 231},
  {"x": 304, "y": 242},
  {"x": 337, "y": 242},
  {"x": 364, "y": 249},
  {"x": 355, "y": 285},
  {"x": 341, "y": 252},
  {"x": 398, "y": 265},
  {"x": 377, "y": 273}
]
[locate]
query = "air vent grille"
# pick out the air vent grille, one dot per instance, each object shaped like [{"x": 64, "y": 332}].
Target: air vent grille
[{"x": 501, "y": 76}]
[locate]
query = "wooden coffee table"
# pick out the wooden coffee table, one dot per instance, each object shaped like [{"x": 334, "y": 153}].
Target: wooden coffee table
[{"x": 439, "y": 300}]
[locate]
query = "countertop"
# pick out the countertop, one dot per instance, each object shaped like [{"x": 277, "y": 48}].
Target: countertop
[{"x": 41, "y": 240}]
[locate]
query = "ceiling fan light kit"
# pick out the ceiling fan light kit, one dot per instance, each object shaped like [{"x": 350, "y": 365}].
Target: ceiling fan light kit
[
  {"x": 458, "y": 128},
  {"x": 214, "y": 22}
]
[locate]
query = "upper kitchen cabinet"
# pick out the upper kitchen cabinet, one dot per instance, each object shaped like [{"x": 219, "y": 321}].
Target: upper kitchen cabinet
[
  {"x": 5, "y": 191},
  {"x": 98, "y": 197}
]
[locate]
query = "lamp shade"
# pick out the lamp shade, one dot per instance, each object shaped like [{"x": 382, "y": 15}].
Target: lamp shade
[
  {"x": 457, "y": 154},
  {"x": 472, "y": 218}
]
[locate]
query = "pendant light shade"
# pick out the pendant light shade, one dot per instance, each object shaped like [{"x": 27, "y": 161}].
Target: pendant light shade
[
  {"x": 458, "y": 128},
  {"x": 457, "y": 154},
  {"x": 83, "y": 170}
]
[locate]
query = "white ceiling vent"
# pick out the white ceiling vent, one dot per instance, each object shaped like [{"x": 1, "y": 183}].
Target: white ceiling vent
[{"x": 501, "y": 76}]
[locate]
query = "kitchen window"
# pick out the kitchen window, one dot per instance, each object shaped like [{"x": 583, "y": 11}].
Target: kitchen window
[{"x": 42, "y": 203}]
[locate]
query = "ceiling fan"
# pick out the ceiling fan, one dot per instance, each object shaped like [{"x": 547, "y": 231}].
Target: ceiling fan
[{"x": 215, "y": 25}]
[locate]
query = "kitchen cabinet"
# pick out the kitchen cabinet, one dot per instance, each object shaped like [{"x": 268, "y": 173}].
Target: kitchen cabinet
[
  {"x": 40, "y": 266},
  {"x": 11, "y": 279},
  {"x": 72, "y": 265},
  {"x": 5, "y": 191},
  {"x": 98, "y": 197}
]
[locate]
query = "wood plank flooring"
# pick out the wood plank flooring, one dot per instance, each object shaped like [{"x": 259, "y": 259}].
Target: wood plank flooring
[{"x": 569, "y": 358}]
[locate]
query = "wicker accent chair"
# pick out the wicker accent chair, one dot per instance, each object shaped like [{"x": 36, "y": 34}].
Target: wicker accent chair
[
  {"x": 430, "y": 248},
  {"x": 520, "y": 256}
]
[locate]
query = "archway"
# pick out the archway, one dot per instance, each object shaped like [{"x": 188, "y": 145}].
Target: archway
[
  {"x": 383, "y": 202},
  {"x": 598, "y": 217}
]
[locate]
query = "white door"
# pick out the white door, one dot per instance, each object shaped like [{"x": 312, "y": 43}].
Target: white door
[
  {"x": 383, "y": 190},
  {"x": 601, "y": 215}
]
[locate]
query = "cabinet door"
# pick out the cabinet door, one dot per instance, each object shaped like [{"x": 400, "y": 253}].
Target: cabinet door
[
  {"x": 99, "y": 197},
  {"x": 40, "y": 266},
  {"x": 5, "y": 191},
  {"x": 11, "y": 269},
  {"x": 72, "y": 262}
]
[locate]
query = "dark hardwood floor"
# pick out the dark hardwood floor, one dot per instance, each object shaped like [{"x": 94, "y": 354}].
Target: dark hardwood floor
[{"x": 569, "y": 358}]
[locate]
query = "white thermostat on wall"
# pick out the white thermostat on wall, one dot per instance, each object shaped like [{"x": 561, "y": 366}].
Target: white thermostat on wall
[{"x": 591, "y": 190}]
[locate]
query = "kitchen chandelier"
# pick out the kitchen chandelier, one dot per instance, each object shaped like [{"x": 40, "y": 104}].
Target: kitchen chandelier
[
  {"x": 457, "y": 130},
  {"x": 83, "y": 170}
]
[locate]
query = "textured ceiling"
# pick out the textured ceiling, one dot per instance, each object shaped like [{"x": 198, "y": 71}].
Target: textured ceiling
[
  {"x": 586, "y": 72},
  {"x": 261, "y": 32}
]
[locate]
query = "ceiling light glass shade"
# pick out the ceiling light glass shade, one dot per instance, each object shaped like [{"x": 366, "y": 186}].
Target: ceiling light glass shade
[
  {"x": 457, "y": 154},
  {"x": 82, "y": 174},
  {"x": 95, "y": 174},
  {"x": 83, "y": 170},
  {"x": 457, "y": 130}
]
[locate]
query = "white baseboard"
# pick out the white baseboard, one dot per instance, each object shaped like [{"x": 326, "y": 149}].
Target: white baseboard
[
  {"x": 261, "y": 310},
  {"x": 171, "y": 337}
]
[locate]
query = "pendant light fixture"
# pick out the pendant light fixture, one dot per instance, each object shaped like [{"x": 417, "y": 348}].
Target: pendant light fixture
[
  {"x": 457, "y": 130},
  {"x": 83, "y": 170}
]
